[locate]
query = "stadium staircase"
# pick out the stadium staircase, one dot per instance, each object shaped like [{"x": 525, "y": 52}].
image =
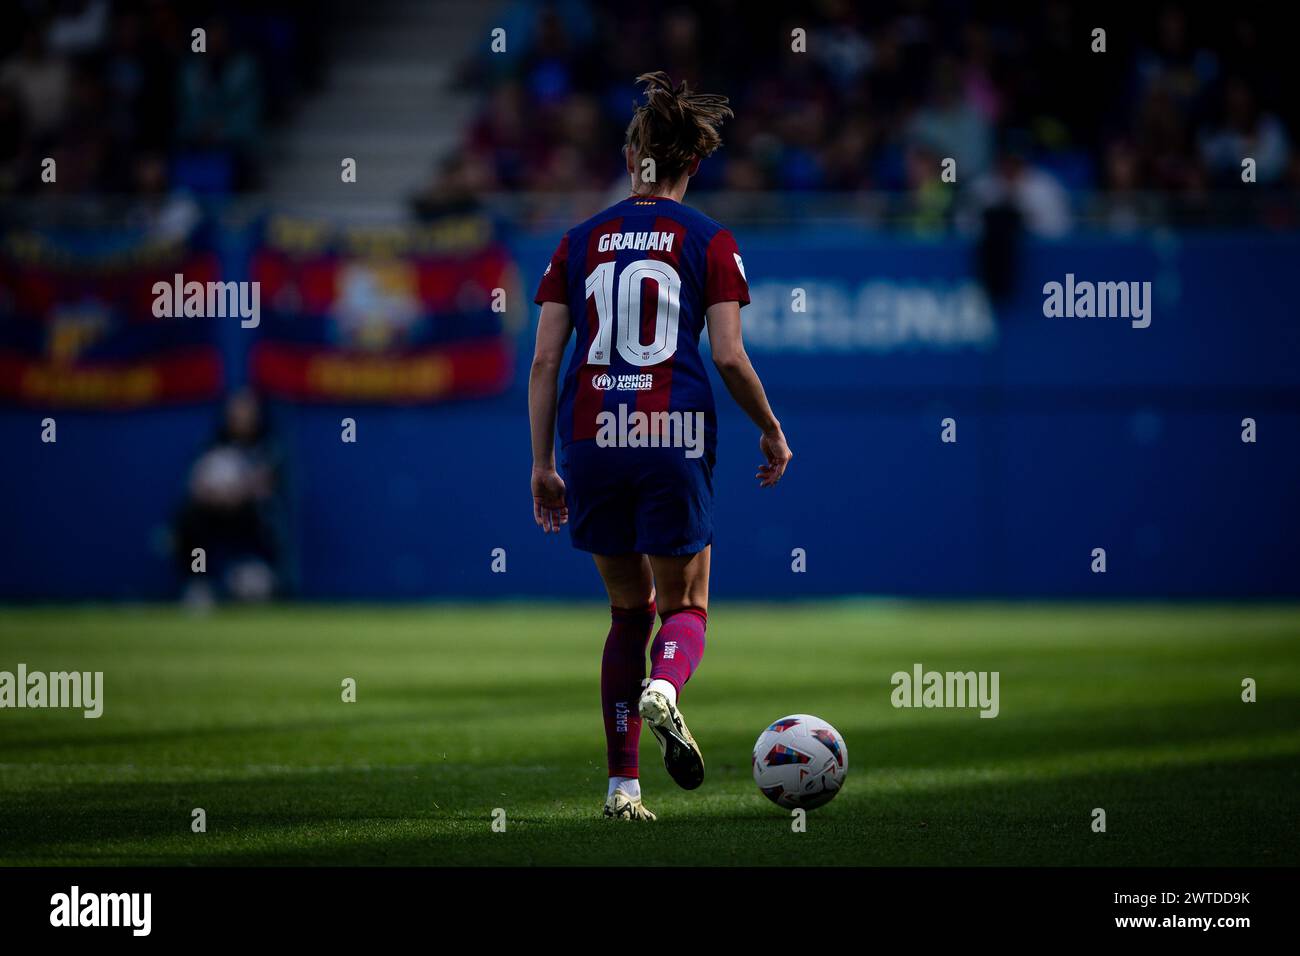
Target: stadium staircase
[{"x": 388, "y": 102}]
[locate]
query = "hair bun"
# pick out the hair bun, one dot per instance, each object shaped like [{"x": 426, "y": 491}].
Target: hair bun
[{"x": 675, "y": 126}]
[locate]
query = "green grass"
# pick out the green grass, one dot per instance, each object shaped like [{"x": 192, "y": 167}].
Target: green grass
[{"x": 460, "y": 710}]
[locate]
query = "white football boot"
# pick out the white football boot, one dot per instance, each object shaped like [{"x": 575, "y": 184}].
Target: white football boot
[
  {"x": 620, "y": 806},
  {"x": 682, "y": 757}
]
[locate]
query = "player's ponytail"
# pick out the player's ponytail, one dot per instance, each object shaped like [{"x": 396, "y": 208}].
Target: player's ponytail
[{"x": 674, "y": 126}]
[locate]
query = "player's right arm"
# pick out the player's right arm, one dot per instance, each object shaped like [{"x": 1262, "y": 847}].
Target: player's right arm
[
  {"x": 743, "y": 383},
  {"x": 549, "y": 508}
]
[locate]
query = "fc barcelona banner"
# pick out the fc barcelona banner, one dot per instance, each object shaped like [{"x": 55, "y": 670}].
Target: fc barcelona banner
[
  {"x": 78, "y": 326},
  {"x": 394, "y": 315}
]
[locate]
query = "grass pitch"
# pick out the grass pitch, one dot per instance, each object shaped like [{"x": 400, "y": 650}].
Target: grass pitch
[{"x": 461, "y": 710}]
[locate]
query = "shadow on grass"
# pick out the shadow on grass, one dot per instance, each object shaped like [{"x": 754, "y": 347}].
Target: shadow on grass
[
  {"x": 1238, "y": 812},
  {"x": 462, "y": 703},
  {"x": 898, "y": 738}
]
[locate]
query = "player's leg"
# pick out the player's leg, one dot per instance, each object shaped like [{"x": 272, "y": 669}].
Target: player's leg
[
  {"x": 602, "y": 522},
  {"x": 683, "y": 583},
  {"x": 631, "y": 592},
  {"x": 682, "y": 580},
  {"x": 674, "y": 526},
  {"x": 628, "y": 579},
  {"x": 679, "y": 646}
]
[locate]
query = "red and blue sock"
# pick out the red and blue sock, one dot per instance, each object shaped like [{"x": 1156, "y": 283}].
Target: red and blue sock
[
  {"x": 679, "y": 645},
  {"x": 622, "y": 670}
]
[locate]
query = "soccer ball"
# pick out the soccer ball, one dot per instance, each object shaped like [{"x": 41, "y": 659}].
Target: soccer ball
[{"x": 800, "y": 762}]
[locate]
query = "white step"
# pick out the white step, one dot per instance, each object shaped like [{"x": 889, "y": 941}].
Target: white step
[{"x": 387, "y": 102}]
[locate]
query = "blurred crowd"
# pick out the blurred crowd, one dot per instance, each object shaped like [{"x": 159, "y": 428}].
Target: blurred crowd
[
  {"x": 108, "y": 90},
  {"x": 886, "y": 90},
  {"x": 877, "y": 96}
]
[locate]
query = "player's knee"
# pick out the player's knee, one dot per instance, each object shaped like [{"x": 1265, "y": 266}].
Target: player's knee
[
  {"x": 631, "y": 601},
  {"x": 679, "y": 594},
  {"x": 630, "y": 592}
]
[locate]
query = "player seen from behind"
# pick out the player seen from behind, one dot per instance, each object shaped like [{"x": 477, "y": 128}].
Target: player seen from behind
[{"x": 636, "y": 285}]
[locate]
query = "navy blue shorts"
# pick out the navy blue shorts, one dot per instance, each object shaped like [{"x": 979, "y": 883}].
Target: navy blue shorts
[{"x": 638, "y": 500}]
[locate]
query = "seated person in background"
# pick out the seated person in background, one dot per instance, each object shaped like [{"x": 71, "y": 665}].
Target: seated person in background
[{"x": 230, "y": 487}]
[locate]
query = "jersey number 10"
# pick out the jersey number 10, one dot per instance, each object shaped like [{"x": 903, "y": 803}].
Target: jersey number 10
[{"x": 600, "y": 284}]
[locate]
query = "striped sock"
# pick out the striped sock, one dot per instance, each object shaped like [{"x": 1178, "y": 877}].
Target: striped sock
[{"x": 622, "y": 669}]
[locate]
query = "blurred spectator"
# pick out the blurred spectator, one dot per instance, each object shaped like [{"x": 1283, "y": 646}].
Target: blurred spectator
[
  {"x": 1124, "y": 212},
  {"x": 1243, "y": 130},
  {"x": 41, "y": 81},
  {"x": 950, "y": 124},
  {"x": 167, "y": 214},
  {"x": 231, "y": 489},
  {"x": 138, "y": 74},
  {"x": 78, "y": 26},
  {"x": 930, "y": 199},
  {"x": 220, "y": 104},
  {"x": 1041, "y": 204},
  {"x": 462, "y": 179}
]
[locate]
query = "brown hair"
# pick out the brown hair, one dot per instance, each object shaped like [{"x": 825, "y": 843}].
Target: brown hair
[{"x": 675, "y": 126}]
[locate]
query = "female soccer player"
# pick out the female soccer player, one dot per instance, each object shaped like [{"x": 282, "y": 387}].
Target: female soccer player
[{"x": 637, "y": 283}]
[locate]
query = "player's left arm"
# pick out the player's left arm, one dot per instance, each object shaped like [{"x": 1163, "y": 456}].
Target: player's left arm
[
  {"x": 737, "y": 372},
  {"x": 549, "y": 508},
  {"x": 726, "y": 290}
]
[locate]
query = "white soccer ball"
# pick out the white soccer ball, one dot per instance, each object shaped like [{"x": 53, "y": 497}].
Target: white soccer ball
[{"x": 800, "y": 762}]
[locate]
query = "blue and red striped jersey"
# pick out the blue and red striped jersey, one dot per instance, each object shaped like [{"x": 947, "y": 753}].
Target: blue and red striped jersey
[{"x": 637, "y": 279}]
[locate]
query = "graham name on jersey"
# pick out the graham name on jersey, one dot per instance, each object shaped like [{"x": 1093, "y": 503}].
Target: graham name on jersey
[{"x": 662, "y": 241}]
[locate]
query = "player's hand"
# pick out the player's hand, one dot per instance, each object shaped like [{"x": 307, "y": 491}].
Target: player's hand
[
  {"x": 777, "y": 452},
  {"x": 550, "y": 510}
]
